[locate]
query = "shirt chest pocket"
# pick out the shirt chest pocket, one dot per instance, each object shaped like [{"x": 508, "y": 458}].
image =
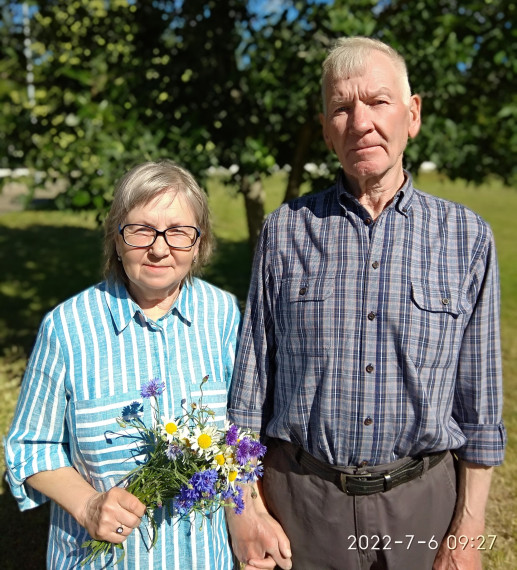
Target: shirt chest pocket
[
  {"x": 304, "y": 319},
  {"x": 438, "y": 316},
  {"x": 108, "y": 450}
]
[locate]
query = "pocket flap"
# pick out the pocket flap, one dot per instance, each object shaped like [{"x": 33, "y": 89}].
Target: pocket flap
[
  {"x": 303, "y": 288},
  {"x": 437, "y": 299}
]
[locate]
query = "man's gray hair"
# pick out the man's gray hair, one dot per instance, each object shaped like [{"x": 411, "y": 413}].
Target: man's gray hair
[{"x": 349, "y": 56}]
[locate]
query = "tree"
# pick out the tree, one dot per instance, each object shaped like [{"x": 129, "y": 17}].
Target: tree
[
  {"x": 460, "y": 58},
  {"x": 212, "y": 83},
  {"x": 282, "y": 55},
  {"x": 15, "y": 115}
]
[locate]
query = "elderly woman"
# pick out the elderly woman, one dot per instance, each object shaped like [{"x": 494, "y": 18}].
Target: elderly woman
[{"x": 150, "y": 318}]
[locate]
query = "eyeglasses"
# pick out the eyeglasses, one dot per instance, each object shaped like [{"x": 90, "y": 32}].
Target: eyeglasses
[{"x": 178, "y": 237}]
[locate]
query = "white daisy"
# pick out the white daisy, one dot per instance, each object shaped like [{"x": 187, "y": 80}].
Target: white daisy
[{"x": 205, "y": 441}]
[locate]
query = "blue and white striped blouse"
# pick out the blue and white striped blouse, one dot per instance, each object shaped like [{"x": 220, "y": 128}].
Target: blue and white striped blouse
[{"x": 91, "y": 357}]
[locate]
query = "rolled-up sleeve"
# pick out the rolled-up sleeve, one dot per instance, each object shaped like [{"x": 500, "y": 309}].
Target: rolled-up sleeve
[
  {"x": 250, "y": 402},
  {"x": 478, "y": 398},
  {"x": 38, "y": 439}
]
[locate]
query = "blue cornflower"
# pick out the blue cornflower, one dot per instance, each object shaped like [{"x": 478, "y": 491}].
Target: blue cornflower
[
  {"x": 153, "y": 388},
  {"x": 232, "y": 435},
  {"x": 254, "y": 473},
  {"x": 235, "y": 496},
  {"x": 186, "y": 499},
  {"x": 243, "y": 451},
  {"x": 257, "y": 450},
  {"x": 173, "y": 451},
  {"x": 204, "y": 482}
]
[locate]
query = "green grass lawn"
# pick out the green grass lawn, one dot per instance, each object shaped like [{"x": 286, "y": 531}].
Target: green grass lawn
[{"x": 48, "y": 256}]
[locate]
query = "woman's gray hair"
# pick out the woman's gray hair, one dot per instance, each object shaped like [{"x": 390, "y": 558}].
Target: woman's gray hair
[
  {"x": 138, "y": 187},
  {"x": 349, "y": 56}
]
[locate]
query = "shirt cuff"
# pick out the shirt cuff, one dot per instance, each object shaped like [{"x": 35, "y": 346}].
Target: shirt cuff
[
  {"x": 247, "y": 419},
  {"x": 16, "y": 476},
  {"x": 485, "y": 444}
]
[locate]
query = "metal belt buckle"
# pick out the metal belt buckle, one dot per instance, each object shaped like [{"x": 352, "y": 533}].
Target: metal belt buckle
[
  {"x": 344, "y": 476},
  {"x": 388, "y": 482}
]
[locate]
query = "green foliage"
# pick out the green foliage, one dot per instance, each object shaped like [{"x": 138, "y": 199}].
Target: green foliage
[
  {"x": 459, "y": 55},
  {"x": 212, "y": 83}
]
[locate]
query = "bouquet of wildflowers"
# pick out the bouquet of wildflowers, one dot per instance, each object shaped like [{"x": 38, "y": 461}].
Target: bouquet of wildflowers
[{"x": 192, "y": 466}]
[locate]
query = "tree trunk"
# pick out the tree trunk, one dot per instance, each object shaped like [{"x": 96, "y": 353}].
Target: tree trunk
[
  {"x": 300, "y": 157},
  {"x": 254, "y": 198}
]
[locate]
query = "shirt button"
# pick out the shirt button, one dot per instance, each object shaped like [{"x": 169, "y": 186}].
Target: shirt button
[
  {"x": 368, "y": 421},
  {"x": 368, "y": 221},
  {"x": 303, "y": 290},
  {"x": 375, "y": 264},
  {"x": 445, "y": 301},
  {"x": 369, "y": 368},
  {"x": 363, "y": 463},
  {"x": 371, "y": 316}
]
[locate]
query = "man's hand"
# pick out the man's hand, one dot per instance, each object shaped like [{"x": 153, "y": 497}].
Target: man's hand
[
  {"x": 258, "y": 540},
  {"x": 458, "y": 559},
  {"x": 468, "y": 521}
]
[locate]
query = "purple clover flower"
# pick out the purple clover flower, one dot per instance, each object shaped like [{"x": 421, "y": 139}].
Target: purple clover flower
[
  {"x": 232, "y": 434},
  {"x": 152, "y": 388}
]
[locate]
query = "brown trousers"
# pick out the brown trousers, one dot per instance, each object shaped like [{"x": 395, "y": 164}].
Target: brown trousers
[{"x": 400, "y": 529}]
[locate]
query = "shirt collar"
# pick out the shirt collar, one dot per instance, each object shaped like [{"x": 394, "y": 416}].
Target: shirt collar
[
  {"x": 124, "y": 309},
  {"x": 401, "y": 202}
]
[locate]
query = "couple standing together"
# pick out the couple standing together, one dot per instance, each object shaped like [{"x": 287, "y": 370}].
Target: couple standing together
[{"x": 368, "y": 359}]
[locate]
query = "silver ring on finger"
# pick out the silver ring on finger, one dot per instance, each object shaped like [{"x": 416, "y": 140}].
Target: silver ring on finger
[{"x": 119, "y": 529}]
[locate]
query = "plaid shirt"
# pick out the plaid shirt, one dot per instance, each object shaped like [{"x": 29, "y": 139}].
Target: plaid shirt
[{"x": 368, "y": 341}]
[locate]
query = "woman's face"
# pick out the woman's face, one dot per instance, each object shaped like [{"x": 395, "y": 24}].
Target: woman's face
[{"x": 156, "y": 272}]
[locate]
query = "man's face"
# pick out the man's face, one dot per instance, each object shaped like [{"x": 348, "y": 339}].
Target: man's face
[{"x": 367, "y": 122}]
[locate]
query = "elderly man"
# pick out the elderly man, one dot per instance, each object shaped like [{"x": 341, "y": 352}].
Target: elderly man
[{"x": 370, "y": 355}]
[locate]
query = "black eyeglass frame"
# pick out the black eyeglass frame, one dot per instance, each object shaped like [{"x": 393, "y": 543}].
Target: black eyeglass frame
[{"x": 160, "y": 233}]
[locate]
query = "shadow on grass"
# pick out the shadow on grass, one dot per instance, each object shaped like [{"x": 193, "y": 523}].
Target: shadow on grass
[
  {"x": 44, "y": 265},
  {"x": 23, "y": 536},
  {"x": 40, "y": 267}
]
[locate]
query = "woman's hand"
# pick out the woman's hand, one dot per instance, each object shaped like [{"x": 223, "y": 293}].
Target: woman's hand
[
  {"x": 101, "y": 514},
  {"x": 113, "y": 515}
]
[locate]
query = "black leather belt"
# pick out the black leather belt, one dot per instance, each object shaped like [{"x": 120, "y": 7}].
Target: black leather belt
[{"x": 365, "y": 483}]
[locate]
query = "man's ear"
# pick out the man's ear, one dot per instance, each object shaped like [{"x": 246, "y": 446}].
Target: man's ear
[{"x": 415, "y": 108}]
